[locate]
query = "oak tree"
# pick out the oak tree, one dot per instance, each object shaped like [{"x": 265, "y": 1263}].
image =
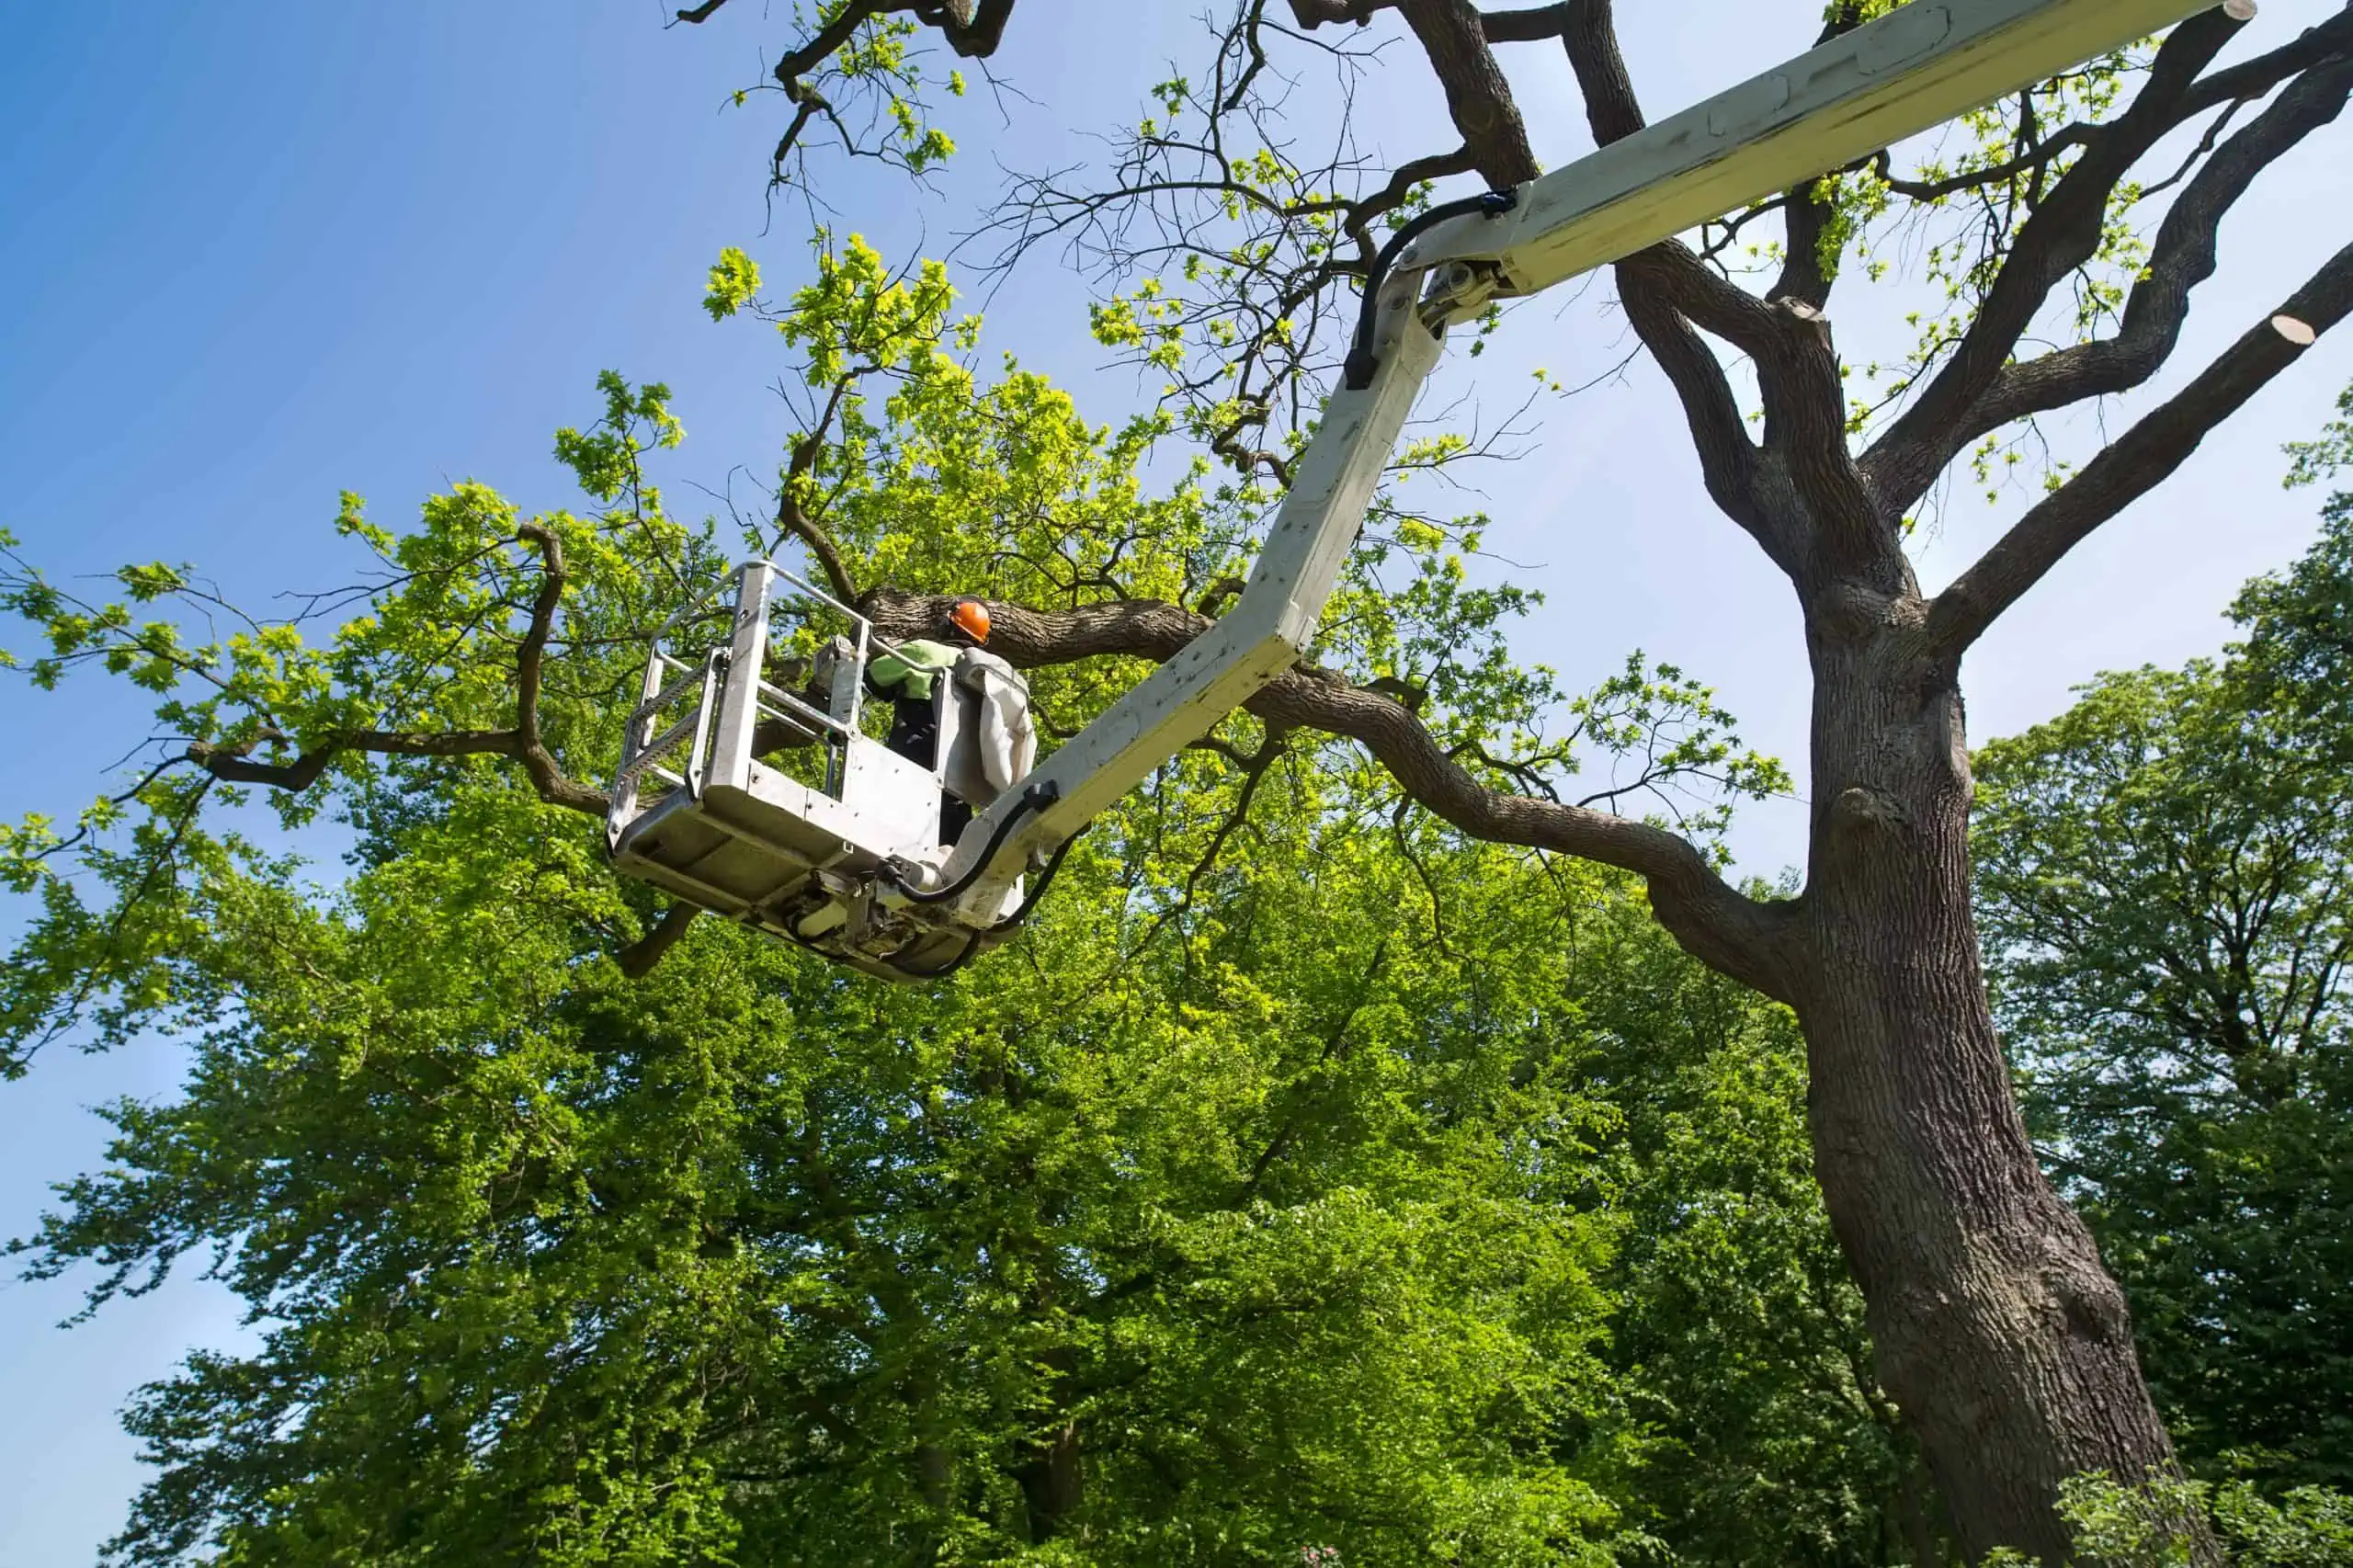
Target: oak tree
[{"x": 2066, "y": 235}]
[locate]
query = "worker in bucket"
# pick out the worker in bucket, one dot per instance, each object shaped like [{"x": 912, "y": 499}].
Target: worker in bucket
[{"x": 909, "y": 677}]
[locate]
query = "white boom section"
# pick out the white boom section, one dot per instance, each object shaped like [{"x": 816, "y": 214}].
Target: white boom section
[
  {"x": 1909, "y": 72},
  {"x": 1896, "y": 77}
]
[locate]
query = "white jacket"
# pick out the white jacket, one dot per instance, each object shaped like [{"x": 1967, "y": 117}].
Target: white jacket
[{"x": 1008, "y": 739}]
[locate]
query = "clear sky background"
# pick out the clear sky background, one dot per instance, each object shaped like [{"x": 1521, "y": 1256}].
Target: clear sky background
[{"x": 250, "y": 256}]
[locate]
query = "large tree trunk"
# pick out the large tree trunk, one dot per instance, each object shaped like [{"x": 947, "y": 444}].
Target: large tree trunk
[
  {"x": 1999, "y": 1334},
  {"x": 1051, "y": 1481}
]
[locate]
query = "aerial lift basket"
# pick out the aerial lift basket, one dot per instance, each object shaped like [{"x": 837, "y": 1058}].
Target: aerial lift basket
[{"x": 750, "y": 787}]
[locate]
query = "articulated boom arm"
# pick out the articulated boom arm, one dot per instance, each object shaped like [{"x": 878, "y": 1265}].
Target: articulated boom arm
[{"x": 1905, "y": 74}]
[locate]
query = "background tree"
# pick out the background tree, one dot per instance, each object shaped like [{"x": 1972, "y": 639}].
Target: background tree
[
  {"x": 1227, "y": 250},
  {"x": 1738, "y": 1336},
  {"x": 2167, "y": 873}
]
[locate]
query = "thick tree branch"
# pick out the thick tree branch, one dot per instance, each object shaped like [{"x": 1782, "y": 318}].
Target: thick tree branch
[
  {"x": 972, "y": 31},
  {"x": 1613, "y": 112},
  {"x": 2181, "y": 256},
  {"x": 1803, "y": 275},
  {"x": 2062, "y": 234},
  {"x": 639, "y": 958},
  {"x": 2137, "y": 461},
  {"x": 1797, "y": 370},
  {"x": 1806, "y": 426},
  {"x": 1314, "y": 14},
  {"x": 547, "y": 775},
  {"x": 1532, "y": 25},
  {"x": 1709, "y": 300},
  {"x": 820, "y": 45},
  {"x": 233, "y": 763},
  {"x": 1735, "y": 934},
  {"x": 1806, "y": 273},
  {"x": 1478, "y": 97},
  {"x": 1666, "y": 287},
  {"x": 1669, "y": 273},
  {"x": 2253, "y": 78},
  {"x": 1728, "y": 459},
  {"x": 1590, "y": 36}
]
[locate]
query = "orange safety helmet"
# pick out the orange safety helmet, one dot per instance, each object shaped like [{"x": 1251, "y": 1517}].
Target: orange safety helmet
[{"x": 972, "y": 618}]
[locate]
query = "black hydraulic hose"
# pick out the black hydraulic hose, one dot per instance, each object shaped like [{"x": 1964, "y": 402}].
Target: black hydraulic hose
[
  {"x": 972, "y": 946},
  {"x": 1356, "y": 373},
  {"x": 1045, "y": 879},
  {"x": 1036, "y": 798},
  {"x": 1011, "y": 922}
]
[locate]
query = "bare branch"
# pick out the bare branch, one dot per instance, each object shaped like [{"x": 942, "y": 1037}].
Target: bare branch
[
  {"x": 2181, "y": 258},
  {"x": 1413, "y": 172},
  {"x": 2137, "y": 461},
  {"x": 2062, "y": 234},
  {"x": 1253, "y": 766},
  {"x": 2038, "y": 156},
  {"x": 973, "y": 33}
]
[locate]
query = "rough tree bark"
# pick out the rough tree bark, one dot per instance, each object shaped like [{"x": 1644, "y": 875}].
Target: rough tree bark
[
  {"x": 1997, "y": 1329},
  {"x": 2000, "y": 1336}
]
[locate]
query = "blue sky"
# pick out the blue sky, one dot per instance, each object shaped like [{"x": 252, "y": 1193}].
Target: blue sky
[{"x": 256, "y": 255}]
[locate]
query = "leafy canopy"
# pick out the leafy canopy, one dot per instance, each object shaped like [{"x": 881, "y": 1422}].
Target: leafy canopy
[
  {"x": 1251, "y": 1202},
  {"x": 2165, "y": 878}
]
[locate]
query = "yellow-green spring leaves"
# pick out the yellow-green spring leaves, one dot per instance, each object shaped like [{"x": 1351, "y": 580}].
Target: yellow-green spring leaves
[{"x": 734, "y": 281}]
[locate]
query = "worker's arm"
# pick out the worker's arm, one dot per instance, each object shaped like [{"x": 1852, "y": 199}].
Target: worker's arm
[{"x": 911, "y": 669}]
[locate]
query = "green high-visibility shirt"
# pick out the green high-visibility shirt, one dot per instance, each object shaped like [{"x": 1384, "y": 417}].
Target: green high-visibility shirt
[{"x": 910, "y": 671}]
